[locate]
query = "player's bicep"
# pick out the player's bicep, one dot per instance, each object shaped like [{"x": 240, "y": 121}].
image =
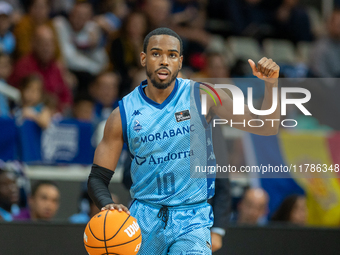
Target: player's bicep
[
  {"x": 225, "y": 110},
  {"x": 213, "y": 99},
  {"x": 109, "y": 149},
  {"x": 222, "y": 109}
]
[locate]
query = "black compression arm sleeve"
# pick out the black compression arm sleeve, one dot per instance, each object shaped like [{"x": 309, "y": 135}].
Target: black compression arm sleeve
[{"x": 97, "y": 185}]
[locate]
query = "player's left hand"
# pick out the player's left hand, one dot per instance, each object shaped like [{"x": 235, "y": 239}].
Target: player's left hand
[
  {"x": 266, "y": 69},
  {"x": 216, "y": 241}
]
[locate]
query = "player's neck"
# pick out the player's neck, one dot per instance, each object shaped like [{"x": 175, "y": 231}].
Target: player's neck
[{"x": 158, "y": 95}]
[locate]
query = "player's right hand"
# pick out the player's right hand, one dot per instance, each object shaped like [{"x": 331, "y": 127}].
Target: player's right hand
[
  {"x": 118, "y": 207},
  {"x": 266, "y": 69}
]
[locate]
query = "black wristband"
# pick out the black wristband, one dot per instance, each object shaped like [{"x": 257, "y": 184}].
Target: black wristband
[{"x": 97, "y": 185}]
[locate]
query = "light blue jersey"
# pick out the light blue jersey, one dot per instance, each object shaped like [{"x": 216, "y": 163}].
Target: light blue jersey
[{"x": 167, "y": 141}]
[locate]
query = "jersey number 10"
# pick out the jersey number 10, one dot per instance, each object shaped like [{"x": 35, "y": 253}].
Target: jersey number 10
[{"x": 168, "y": 182}]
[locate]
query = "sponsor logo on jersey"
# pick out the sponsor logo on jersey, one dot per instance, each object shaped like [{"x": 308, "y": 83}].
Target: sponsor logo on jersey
[
  {"x": 212, "y": 185},
  {"x": 132, "y": 229},
  {"x": 154, "y": 160},
  {"x": 208, "y": 245},
  {"x": 137, "y": 127},
  {"x": 209, "y": 142},
  {"x": 182, "y": 115},
  {"x": 212, "y": 156},
  {"x": 136, "y": 113},
  {"x": 140, "y": 160},
  {"x": 167, "y": 134}
]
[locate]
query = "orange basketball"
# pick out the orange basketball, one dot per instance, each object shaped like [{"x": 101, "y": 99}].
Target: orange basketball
[{"x": 112, "y": 232}]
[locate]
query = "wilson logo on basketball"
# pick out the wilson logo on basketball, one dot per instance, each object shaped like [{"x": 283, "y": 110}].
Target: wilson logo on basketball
[
  {"x": 137, "y": 247},
  {"x": 132, "y": 229}
]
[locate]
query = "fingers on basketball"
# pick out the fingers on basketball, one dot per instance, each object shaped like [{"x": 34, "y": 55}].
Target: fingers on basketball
[{"x": 118, "y": 207}]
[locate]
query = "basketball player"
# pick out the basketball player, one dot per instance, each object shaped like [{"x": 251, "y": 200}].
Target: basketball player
[{"x": 167, "y": 136}]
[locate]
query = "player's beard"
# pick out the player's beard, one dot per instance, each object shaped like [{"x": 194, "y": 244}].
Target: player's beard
[{"x": 161, "y": 85}]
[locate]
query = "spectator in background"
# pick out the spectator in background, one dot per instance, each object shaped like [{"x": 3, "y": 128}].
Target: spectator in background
[
  {"x": 5, "y": 71},
  {"x": 195, "y": 38},
  {"x": 292, "y": 22},
  {"x": 9, "y": 195},
  {"x": 158, "y": 13},
  {"x": 114, "y": 12},
  {"x": 42, "y": 60},
  {"x": 325, "y": 56},
  {"x": 7, "y": 39},
  {"x": 43, "y": 202},
  {"x": 17, "y": 10},
  {"x": 252, "y": 207},
  {"x": 22, "y": 181},
  {"x": 188, "y": 19},
  {"x": 188, "y": 13},
  {"x": 33, "y": 104},
  {"x": 87, "y": 209},
  {"x": 126, "y": 48},
  {"x": 134, "y": 4},
  {"x": 61, "y": 7},
  {"x": 249, "y": 18},
  {"x": 38, "y": 14},
  {"x": 83, "y": 108},
  {"x": 216, "y": 66},
  {"x": 79, "y": 38},
  {"x": 292, "y": 210},
  {"x": 105, "y": 92},
  {"x": 5, "y": 66}
]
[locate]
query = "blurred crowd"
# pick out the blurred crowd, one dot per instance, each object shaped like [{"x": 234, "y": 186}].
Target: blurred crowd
[
  {"x": 77, "y": 58},
  {"x": 19, "y": 201}
]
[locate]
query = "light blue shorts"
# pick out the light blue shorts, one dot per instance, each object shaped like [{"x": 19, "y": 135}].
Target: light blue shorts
[{"x": 186, "y": 230}]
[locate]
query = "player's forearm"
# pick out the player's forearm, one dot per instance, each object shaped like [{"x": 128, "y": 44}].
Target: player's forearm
[
  {"x": 270, "y": 127},
  {"x": 107, "y": 153},
  {"x": 98, "y": 182}
]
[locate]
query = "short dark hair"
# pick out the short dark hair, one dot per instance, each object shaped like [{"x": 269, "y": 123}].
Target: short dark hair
[
  {"x": 4, "y": 170},
  {"x": 81, "y": 97},
  {"x": 285, "y": 209},
  {"x": 25, "y": 81},
  {"x": 162, "y": 31},
  {"x": 37, "y": 185},
  {"x": 107, "y": 72}
]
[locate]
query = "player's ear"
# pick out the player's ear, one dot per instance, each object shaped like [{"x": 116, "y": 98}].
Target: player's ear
[
  {"x": 143, "y": 58},
  {"x": 180, "y": 62}
]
